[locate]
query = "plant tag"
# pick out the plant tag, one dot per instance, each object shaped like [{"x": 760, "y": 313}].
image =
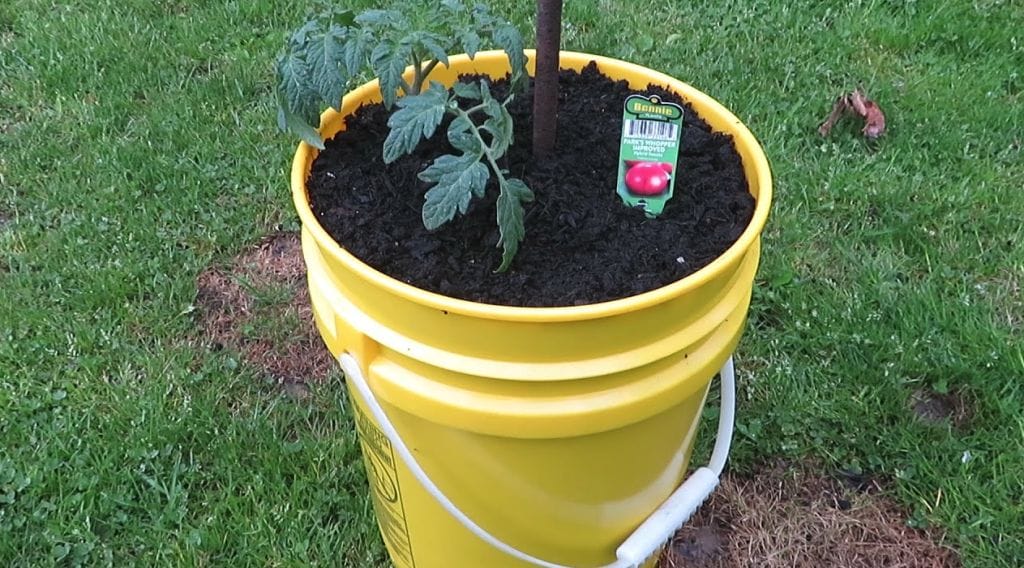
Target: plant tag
[{"x": 648, "y": 151}]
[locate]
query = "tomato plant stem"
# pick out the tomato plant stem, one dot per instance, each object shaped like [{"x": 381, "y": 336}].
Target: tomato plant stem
[
  {"x": 545, "y": 87},
  {"x": 483, "y": 144}
]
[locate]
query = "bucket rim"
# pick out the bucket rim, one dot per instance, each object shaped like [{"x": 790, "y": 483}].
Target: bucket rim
[{"x": 746, "y": 144}]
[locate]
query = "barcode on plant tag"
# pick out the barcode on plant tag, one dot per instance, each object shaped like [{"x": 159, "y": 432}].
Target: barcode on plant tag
[{"x": 650, "y": 129}]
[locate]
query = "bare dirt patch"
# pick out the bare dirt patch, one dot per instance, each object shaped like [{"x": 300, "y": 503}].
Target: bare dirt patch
[
  {"x": 941, "y": 408},
  {"x": 793, "y": 518},
  {"x": 258, "y": 305}
]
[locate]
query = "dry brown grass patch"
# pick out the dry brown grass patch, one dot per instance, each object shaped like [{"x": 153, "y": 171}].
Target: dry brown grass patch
[
  {"x": 796, "y": 519},
  {"x": 258, "y": 305}
]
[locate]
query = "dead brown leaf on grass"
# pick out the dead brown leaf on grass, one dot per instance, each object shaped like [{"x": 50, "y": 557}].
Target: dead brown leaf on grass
[
  {"x": 857, "y": 103},
  {"x": 230, "y": 315},
  {"x": 785, "y": 518}
]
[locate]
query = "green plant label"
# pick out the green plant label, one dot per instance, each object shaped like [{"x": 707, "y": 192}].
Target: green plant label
[{"x": 647, "y": 152}]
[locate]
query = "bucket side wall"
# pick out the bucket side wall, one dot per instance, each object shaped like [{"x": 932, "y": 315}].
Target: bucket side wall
[
  {"x": 554, "y": 498},
  {"x": 560, "y": 438}
]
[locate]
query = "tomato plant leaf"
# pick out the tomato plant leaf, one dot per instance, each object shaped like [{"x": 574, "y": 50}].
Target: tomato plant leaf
[
  {"x": 287, "y": 121},
  {"x": 470, "y": 41},
  {"x": 435, "y": 49},
  {"x": 293, "y": 83},
  {"x": 467, "y": 90},
  {"x": 325, "y": 58},
  {"x": 388, "y": 62},
  {"x": 508, "y": 38},
  {"x": 382, "y": 18},
  {"x": 461, "y": 137},
  {"x": 458, "y": 179},
  {"x": 482, "y": 18},
  {"x": 499, "y": 124},
  {"x": 328, "y": 51},
  {"x": 297, "y": 41},
  {"x": 417, "y": 117},
  {"x": 485, "y": 92},
  {"x": 511, "y": 224},
  {"x": 298, "y": 104},
  {"x": 356, "y": 50}
]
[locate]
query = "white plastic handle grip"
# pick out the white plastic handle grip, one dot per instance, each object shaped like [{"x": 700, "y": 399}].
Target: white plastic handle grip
[
  {"x": 667, "y": 519},
  {"x": 645, "y": 540}
]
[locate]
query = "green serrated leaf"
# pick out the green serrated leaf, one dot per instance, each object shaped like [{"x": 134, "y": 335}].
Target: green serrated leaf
[
  {"x": 381, "y": 18},
  {"x": 470, "y": 42},
  {"x": 458, "y": 178},
  {"x": 485, "y": 93},
  {"x": 388, "y": 62},
  {"x": 482, "y": 16},
  {"x": 356, "y": 50},
  {"x": 436, "y": 51},
  {"x": 289, "y": 122},
  {"x": 519, "y": 189},
  {"x": 417, "y": 117},
  {"x": 298, "y": 106},
  {"x": 294, "y": 85},
  {"x": 467, "y": 90},
  {"x": 508, "y": 38},
  {"x": 445, "y": 165},
  {"x": 324, "y": 57},
  {"x": 499, "y": 124},
  {"x": 461, "y": 137},
  {"x": 299, "y": 37},
  {"x": 511, "y": 225}
]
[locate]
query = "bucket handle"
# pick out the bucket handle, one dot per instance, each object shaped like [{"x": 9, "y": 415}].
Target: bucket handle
[{"x": 645, "y": 540}]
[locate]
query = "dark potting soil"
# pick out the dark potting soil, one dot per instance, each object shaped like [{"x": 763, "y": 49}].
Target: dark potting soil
[{"x": 582, "y": 244}]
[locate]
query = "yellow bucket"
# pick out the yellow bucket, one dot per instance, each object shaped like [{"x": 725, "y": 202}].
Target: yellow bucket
[{"x": 557, "y": 430}]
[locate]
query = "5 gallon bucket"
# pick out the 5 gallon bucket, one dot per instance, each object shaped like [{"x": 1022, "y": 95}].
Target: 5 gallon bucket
[{"x": 556, "y": 430}]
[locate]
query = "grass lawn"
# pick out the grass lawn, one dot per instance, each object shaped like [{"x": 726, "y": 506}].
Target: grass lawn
[{"x": 138, "y": 146}]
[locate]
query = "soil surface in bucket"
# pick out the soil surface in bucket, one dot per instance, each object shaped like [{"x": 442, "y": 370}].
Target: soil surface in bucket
[{"x": 582, "y": 245}]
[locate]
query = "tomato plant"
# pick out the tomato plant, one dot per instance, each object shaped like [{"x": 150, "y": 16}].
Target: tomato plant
[{"x": 325, "y": 56}]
